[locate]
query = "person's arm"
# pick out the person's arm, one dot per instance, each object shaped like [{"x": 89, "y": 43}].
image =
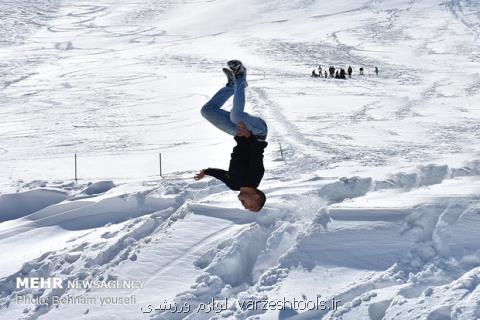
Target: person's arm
[{"x": 219, "y": 174}]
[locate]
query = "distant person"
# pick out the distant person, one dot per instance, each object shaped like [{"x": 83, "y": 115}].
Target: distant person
[
  {"x": 314, "y": 75},
  {"x": 376, "y": 71},
  {"x": 326, "y": 74},
  {"x": 350, "y": 70},
  {"x": 332, "y": 71},
  {"x": 342, "y": 74},
  {"x": 337, "y": 75},
  {"x": 361, "y": 71},
  {"x": 246, "y": 165},
  {"x": 319, "y": 69}
]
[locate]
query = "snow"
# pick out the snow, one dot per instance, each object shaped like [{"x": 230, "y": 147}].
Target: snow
[{"x": 372, "y": 200}]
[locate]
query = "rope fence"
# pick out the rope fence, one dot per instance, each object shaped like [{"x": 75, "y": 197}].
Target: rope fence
[{"x": 161, "y": 167}]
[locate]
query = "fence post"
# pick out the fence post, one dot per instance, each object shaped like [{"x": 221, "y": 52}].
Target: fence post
[
  {"x": 76, "y": 178},
  {"x": 160, "y": 163},
  {"x": 281, "y": 150}
]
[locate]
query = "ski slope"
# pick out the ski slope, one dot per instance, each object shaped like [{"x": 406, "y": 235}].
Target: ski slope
[{"x": 375, "y": 203}]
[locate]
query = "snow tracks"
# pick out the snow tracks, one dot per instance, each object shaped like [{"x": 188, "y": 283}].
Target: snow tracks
[{"x": 400, "y": 231}]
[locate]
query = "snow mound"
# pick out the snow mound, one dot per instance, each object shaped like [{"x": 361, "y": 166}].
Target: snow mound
[
  {"x": 99, "y": 187},
  {"x": 17, "y": 205}
]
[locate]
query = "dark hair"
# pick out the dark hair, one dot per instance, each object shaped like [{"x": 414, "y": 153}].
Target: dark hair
[{"x": 262, "y": 200}]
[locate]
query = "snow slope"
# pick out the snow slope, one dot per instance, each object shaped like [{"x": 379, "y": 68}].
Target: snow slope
[{"x": 375, "y": 203}]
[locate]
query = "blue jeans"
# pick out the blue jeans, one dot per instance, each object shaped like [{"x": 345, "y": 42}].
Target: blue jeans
[{"x": 227, "y": 121}]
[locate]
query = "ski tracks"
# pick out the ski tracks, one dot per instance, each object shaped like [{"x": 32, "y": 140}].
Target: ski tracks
[
  {"x": 203, "y": 244},
  {"x": 457, "y": 9},
  {"x": 301, "y": 153}
]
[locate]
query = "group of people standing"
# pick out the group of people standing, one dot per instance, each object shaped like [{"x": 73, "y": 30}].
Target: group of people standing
[{"x": 337, "y": 73}]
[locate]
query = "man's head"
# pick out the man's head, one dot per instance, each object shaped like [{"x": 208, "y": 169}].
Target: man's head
[{"x": 252, "y": 199}]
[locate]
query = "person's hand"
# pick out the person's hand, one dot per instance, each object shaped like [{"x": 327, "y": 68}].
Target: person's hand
[
  {"x": 242, "y": 130},
  {"x": 200, "y": 175}
]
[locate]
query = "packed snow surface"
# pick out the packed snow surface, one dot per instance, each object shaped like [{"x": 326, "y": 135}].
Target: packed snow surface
[{"x": 373, "y": 182}]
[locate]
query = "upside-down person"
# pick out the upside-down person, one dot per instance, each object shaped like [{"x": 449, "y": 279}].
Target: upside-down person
[{"x": 246, "y": 165}]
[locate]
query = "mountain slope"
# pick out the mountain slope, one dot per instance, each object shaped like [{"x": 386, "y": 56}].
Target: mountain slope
[{"x": 372, "y": 182}]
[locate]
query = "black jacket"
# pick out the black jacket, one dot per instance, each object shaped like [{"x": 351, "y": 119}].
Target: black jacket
[{"x": 246, "y": 165}]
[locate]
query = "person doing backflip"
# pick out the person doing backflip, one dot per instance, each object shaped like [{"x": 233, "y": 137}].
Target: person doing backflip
[{"x": 246, "y": 168}]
